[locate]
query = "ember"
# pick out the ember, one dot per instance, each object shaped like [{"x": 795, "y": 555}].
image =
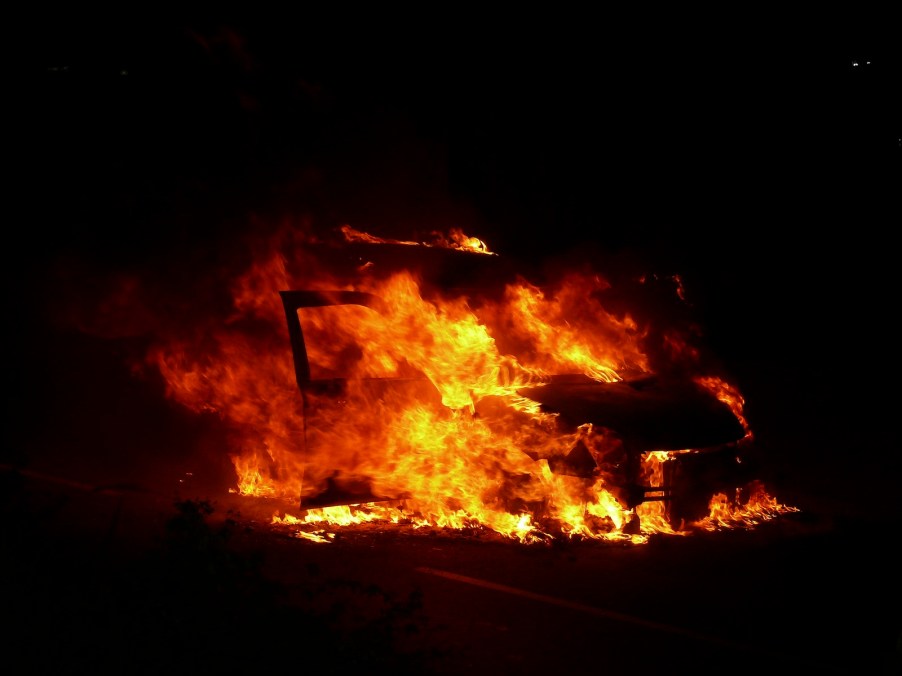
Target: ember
[{"x": 428, "y": 383}]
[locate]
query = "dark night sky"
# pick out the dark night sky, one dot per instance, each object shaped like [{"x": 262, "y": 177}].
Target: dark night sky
[
  {"x": 628, "y": 138},
  {"x": 752, "y": 156},
  {"x": 756, "y": 158}
]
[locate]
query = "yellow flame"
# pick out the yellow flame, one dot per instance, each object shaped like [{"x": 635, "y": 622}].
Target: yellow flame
[
  {"x": 427, "y": 413},
  {"x": 456, "y": 239},
  {"x": 757, "y": 508}
]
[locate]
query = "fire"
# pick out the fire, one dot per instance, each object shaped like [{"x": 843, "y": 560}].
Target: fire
[
  {"x": 456, "y": 239},
  {"x": 756, "y": 507},
  {"x": 728, "y": 394},
  {"x": 428, "y": 418}
]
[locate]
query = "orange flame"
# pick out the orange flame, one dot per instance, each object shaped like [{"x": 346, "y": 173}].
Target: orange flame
[
  {"x": 756, "y": 508},
  {"x": 456, "y": 239},
  {"x": 450, "y": 443},
  {"x": 729, "y": 395}
]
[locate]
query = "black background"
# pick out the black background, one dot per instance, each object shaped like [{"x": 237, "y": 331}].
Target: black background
[
  {"x": 745, "y": 152},
  {"x": 750, "y": 155}
]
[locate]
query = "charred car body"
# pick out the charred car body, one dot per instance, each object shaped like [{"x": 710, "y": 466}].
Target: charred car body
[{"x": 669, "y": 411}]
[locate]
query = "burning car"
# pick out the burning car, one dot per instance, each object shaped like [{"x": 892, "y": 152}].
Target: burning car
[{"x": 439, "y": 385}]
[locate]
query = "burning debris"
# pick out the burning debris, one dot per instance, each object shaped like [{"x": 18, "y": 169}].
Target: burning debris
[{"x": 432, "y": 383}]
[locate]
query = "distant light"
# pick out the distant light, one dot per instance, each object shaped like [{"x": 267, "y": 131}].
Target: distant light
[
  {"x": 855, "y": 64},
  {"x": 123, "y": 72}
]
